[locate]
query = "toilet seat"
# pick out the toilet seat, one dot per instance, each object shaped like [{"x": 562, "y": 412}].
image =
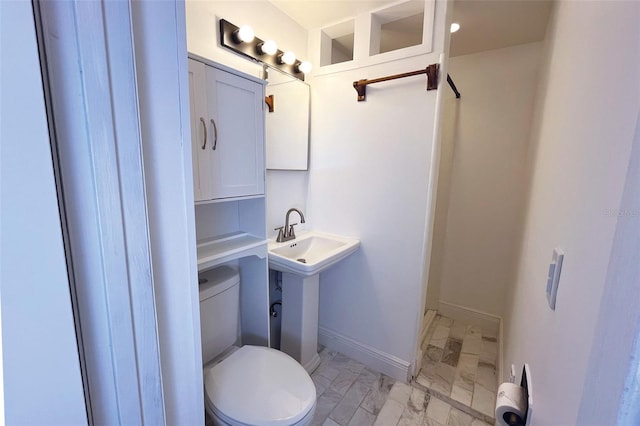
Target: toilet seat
[
  {"x": 259, "y": 386},
  {"x": 217, "y": 420}
]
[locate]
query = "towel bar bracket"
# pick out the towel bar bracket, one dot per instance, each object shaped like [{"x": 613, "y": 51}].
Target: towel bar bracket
[
  {"x": 269, "y": 100},
  {"x": 361, "y": 88}
]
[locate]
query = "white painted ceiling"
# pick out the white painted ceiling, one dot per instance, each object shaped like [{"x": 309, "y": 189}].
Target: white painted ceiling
[
  {"x": 485, "y": 24},
  {"x": 494, "y": 24},
  {"x": 312, "y": 14}
]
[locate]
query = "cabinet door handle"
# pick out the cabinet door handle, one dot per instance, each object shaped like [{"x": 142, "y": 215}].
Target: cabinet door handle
[
  {"x": 215, "y": 134},
  {"x": 204, "y": 127}
]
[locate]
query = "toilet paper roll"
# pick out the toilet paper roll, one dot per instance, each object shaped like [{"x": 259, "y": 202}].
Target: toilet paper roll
[{"x": 511, "y": 405}]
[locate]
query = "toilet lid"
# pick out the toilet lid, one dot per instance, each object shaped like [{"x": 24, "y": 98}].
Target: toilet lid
[{"x": 257, "y": 385}]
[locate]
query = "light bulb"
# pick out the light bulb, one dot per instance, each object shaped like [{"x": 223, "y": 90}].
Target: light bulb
[
  {"x": 455, "y": 27},
  {"x": 305, "y": 67},
  {"x": 246, "y": 34},
  {"x": 288, "y": 57},
  {"x": 269, "y": 47}
]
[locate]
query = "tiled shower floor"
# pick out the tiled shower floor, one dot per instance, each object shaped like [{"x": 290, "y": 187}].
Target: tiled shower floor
[{"x": 459, "y": 366}]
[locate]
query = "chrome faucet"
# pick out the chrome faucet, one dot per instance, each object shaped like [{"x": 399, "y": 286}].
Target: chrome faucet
[{"x": 286, "y": 232}]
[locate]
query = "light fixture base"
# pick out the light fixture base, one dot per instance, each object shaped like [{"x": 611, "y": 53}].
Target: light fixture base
[{"x": 251, "y": 50}]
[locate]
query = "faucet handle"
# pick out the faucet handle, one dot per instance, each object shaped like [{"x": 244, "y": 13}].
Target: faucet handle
[
  {"x": 280, "y": 237},
  {"x": 292, "y": 233}
]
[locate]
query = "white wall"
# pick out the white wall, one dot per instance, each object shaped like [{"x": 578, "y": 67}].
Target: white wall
[
  {"x": 619, "y": 318},
  {"x": 588, "y": 107},
  {"x": 369, "y": 178},
  {"x": 267, "y": 21},
  {"x": 491, "y": 123},
  {"x": 449, "y": 112},
  {"x": 285, "y": 189},
  {"x": 369, "y": 170},
  {"x": 39, "y": 342}
]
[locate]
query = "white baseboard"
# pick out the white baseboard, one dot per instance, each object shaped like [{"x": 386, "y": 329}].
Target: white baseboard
[
  {"x": 427, "y": 320},
  {"x": 371, "y": 357},
  {"x": 487, "y": 322},
  {"x": 426, "y": 323}
]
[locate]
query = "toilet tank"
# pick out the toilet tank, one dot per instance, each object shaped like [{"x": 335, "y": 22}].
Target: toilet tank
[{"x": 219, "y": 310}]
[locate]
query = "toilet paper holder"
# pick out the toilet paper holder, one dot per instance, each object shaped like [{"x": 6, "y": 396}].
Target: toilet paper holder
[
  {"x": 525, "y": 382},
  {"x": 514, "y": 403}
]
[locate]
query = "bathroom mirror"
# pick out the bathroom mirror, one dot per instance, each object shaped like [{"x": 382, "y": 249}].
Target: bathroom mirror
[{"x": 287, "y": 121}]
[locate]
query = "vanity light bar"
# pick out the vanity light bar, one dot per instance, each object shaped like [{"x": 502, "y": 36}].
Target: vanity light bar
[{"x": 229, "y": 39}]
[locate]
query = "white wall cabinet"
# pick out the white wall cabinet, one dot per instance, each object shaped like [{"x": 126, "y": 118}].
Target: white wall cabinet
[
  {"x": 227, "y": 131},
  {"x": 201, "y": 156},
  {"x": 228, "y": 150}
]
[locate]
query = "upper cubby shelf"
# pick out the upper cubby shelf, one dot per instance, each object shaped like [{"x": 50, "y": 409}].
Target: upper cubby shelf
[
  {"x": 337, "y": 43},
  {"x": 396, "y": 31},
  {"x": 397, "y": 27}
]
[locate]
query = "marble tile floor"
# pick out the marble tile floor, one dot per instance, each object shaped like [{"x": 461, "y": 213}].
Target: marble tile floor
[
  {"x": 350, "y": 394},
  {"x": 459, "y": 367},
  {"x": 455, "y": 387}
]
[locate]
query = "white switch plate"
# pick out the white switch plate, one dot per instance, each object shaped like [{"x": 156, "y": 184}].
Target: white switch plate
[{"x": 555, "y": 267}]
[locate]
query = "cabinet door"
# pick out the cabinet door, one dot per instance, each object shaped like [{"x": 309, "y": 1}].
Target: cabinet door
[
  {"x": 201, "y": 138},
  {"x": 236, "y": 105}
]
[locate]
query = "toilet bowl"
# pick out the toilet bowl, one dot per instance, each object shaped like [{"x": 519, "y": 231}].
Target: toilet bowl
[
  {"x": 250, "y": 385},
  {"x": 259, "y": 386}
]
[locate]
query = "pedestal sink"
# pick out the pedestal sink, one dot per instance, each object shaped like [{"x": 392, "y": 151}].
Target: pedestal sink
[{"x": 301, "y": 261}]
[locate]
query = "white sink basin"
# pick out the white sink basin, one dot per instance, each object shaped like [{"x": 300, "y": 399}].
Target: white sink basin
[{"x": 310, "y": 253}]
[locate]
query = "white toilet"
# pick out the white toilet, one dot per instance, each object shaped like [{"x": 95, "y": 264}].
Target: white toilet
[{"x": 250, "y": 385}]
